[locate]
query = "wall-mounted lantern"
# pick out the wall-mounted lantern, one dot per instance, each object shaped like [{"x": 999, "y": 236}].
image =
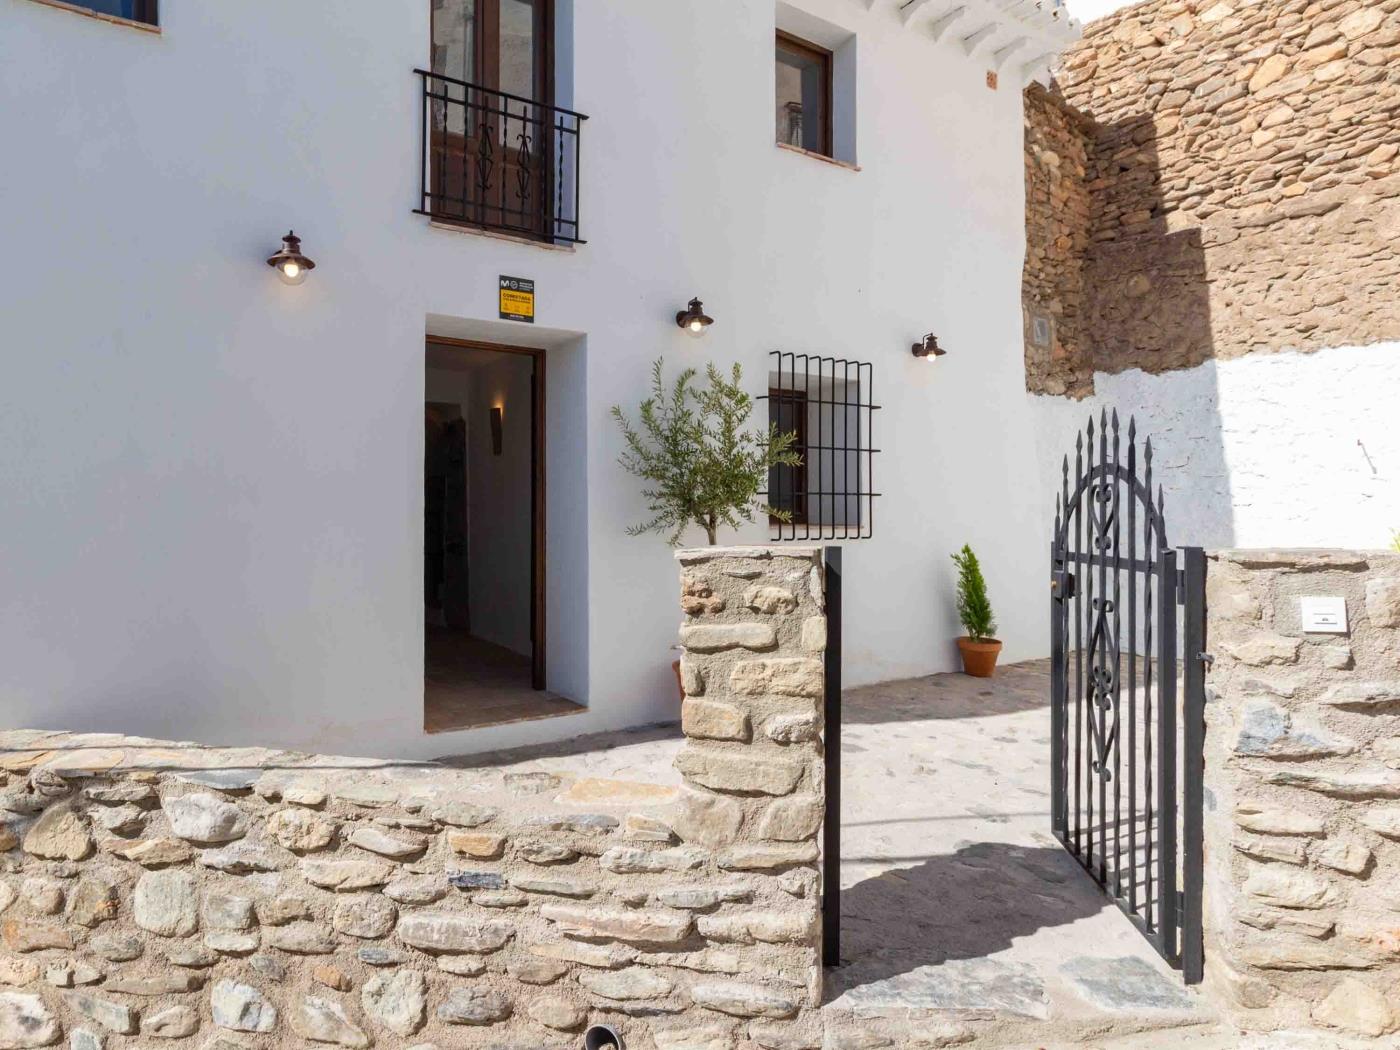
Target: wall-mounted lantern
[
  {"x": 290, "y": 264},
  {"x": 928, "y": 348},
  {"x": 496, "y": 438},
  {"x": 694, "y": 319}
]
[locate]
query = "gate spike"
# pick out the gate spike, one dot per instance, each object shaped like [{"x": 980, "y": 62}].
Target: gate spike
[{"x": 1132, "y": 427}]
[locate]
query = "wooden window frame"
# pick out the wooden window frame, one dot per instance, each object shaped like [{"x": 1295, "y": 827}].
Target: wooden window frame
[
  {"x": 486, "y": 41},
  {"x": 805, "y": 48}
]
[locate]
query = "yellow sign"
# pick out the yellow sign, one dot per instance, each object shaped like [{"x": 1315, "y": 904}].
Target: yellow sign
[{"x": 517, "y": 299}]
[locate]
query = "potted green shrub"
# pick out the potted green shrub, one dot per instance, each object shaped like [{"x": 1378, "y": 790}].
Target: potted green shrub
[
  {"x": 978, "y": 647},
  {"x": 702, "y": 465}
]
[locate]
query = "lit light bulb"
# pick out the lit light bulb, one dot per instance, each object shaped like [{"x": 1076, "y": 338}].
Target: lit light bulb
[
  {"x": 292, "y": 270},
  {"x": 696, "y": 327}
]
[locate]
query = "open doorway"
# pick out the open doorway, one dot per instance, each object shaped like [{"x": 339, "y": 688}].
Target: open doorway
[{"x": 483, "y": 538}]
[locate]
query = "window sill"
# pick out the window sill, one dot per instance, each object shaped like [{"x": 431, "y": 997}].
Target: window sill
[
  {"x": 817, "y": 156},
  {"x": 116, "y": 20},
  {"x": 496, "y": 235}
]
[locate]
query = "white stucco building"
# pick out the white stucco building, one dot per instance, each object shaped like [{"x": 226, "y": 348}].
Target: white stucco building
[{"x": 218, "y": 523}]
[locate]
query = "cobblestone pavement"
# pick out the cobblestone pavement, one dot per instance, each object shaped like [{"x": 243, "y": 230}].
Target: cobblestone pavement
[{"x": 962, "y": 917}]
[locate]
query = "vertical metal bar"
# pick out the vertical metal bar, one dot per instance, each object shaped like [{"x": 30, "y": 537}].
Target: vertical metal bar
[
  {"x": 1090, "y": 693},
  {"x": 1193, "y": 766},
  {"x": 1078, "y": 638},
  {"x": 1132, "y": 671},
  {"x": 869, "y": 387},
  {"x": 1103, "y": 696},
  {"x": 1151, "y": 552},
  {"x": 423, "y": 152},
  {"x": 831, "y": 831},
  {"x": 1117, "y": 642},
  {"x": 1166, "y": 752},
  {"x": 1057, "y": 698}
]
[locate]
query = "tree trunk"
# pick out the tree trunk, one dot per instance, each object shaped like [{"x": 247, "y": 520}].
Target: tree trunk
[{"x": 711, "y": 524}]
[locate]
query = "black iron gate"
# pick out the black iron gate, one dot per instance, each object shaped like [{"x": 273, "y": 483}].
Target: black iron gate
[{"x": 1126, "y": 761}]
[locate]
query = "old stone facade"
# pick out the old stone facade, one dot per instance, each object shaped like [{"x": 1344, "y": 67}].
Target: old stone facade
[
  {"x": 155, "y": 893},
  {"x": 1303, "y": 792},
  {"x": 1243, "y": 174}
]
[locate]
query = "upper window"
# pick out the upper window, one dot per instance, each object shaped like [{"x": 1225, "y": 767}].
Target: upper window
[
  {"x": 131, "y": 10},
  {"x": 803, "y": 95},
  {"x": 500, "y": 45}
]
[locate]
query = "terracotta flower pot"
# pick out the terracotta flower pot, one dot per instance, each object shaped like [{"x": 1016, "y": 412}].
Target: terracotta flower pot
[
  {"x": 680, "y": 687},
  {"x": 979, "y": 658}
]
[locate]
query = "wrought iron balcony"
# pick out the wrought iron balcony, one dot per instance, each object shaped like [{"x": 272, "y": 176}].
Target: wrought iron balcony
[{"x": 498, "y": 161}]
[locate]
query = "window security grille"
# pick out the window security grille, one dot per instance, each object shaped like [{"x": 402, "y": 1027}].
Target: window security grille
[{"x": 829, "y": 403}]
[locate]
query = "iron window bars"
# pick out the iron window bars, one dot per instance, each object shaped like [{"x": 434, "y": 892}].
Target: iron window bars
[
  {"x": 498, "y": 161},
  {"x": 829, "y": 401}
]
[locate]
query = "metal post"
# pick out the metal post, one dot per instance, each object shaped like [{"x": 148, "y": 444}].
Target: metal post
[
  {"x": 1059, "y": 819},
  {"x": 1166, "y": 754},
  {"x": 831, "y": 830},
  {"x": 1193, "y": 765}
]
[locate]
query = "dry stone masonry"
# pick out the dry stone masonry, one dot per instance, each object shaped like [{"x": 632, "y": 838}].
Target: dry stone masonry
[
  {"x": 1212, "y": 178},
  {"x": 1303, "y": 792},
  {"x": 159, "y": 894}
]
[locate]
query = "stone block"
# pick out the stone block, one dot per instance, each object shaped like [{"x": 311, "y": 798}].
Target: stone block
[
  {"x": 26, "y": 1021},
  {"x": 1271, "y": 820},
  {"x": 1362, "y": 694},
  {"x": 714, "y": 720},
  {"x": 164, "y": 903},
  {"x": 744, "y": 1000},
  {"x": 474, "y": 1006},
  {"x": 709, "y": 820},
  {"x": 739, "y": 773},
  {"x": 326, "y": 1021},
  {"x": 300, "y": 830},
  {"x": 1347, "y": 856},
  {"x": 1362, "y": 784},
  {"x": 640, "y": 926},
  {"x": 1289, "y": 888},
  {"x": 630, "y": 984},
  {"x": 622, "y": 860},
  {"x": 770, "y": 600},
  {"x": 452, "y": 933},
  {"x": 780, "y": 676},
  {"x": 1266, "y": 730},
  {"x": 204, "y": 817},
  {"x": 768, "y": 858},
  {"x": 1383, "y": 601},
  {"x": 60, "y": 833},
  {"x": 1358, "y": 1008},
  {"x": 715, "y": 637},
  {"x": 1261, "y": 648}
]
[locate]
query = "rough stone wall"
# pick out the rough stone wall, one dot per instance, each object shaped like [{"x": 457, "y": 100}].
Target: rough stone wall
[
  {"x": 1058, "y": 214},
  {"x": 1303, "y": 791},
  {"x": 1245, "y": 182},
  {"x": 154, "y": 893}
]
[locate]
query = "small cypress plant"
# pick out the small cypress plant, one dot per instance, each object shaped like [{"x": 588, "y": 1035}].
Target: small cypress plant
[{"x": 974, "y": 607}]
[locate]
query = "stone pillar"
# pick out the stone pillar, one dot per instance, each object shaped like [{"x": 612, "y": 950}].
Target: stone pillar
[
  {"x": 1303, "y": 791},
  {"x": 753, "y": 676}
]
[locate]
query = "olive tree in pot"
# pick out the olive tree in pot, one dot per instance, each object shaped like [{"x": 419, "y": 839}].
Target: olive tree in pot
[
  {"x": 978, "y": 648},
  {"x": 701, "y": 464}
]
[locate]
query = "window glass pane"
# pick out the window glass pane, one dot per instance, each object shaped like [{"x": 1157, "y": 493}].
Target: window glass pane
[
  {"x": 801, "y": 83},
  {"x": 131, "y": 9},
  {"x": 454, "y": 39},
  {"x": 518, "y": 47}
]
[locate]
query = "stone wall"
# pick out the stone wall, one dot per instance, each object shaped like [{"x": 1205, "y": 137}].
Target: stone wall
[
  {"x": 155, "y": 893},
  {"x": 1244, "y": 177},
  {"x": 1303, "y": 792}
]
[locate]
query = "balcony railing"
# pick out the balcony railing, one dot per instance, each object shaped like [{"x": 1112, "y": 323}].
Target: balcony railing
[{"x": 498, "y": 161}]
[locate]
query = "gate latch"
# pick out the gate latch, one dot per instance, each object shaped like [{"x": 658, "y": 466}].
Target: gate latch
[{"x": 1062, "y": 585}]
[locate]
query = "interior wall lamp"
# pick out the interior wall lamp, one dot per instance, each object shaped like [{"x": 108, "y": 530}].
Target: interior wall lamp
[
  {"x": 496, "y": 414},
  {"x": 290, "y": 264},
  {"x": 928, "y": 348},
  {"x": 694, "y": 319}
]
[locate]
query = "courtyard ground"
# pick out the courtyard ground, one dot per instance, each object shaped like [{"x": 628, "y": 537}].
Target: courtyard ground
[{"x": 962, "y": 917}]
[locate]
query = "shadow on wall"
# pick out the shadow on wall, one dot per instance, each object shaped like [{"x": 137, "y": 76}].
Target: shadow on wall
[
  {"x": 1146, "y": 299},
  {"x": 989, "y": 894}
]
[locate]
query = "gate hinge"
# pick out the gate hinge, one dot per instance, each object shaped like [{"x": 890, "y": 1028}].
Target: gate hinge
[{"x": 1206, "y": 658}]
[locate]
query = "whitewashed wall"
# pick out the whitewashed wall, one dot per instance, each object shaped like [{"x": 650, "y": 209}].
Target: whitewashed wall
[
  {"x": 1267, "y": 450},
  {"x": 213, "y": 522}
]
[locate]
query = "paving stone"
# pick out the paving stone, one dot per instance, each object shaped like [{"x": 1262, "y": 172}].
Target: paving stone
[
  {"x": 1124, "y": 985},
  {"x": 1013, "y": 989}
]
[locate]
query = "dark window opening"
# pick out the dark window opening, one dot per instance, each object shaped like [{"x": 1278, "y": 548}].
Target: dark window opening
[
  {"x": 803, "y": 95},
  {"x": 828, "y": 402},
  {"x": 143, "y": 11}
]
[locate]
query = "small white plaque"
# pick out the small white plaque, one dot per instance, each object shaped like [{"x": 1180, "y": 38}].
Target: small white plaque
[{"x": 1325, "y": 615}]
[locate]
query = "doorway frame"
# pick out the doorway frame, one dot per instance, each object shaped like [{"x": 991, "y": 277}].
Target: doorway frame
[{"x": 538, "y": 631}]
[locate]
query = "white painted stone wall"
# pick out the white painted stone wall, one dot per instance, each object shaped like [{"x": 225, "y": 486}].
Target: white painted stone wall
[
  {"x": 1270, "y": 449},
  {"x": 213, "y": 517}
]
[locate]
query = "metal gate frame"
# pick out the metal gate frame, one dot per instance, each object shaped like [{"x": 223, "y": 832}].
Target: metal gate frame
[{"x": 1163, "y": 901}]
